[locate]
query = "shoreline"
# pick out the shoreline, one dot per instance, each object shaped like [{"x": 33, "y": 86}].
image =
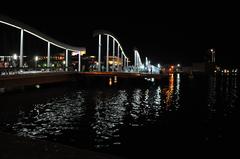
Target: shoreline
[{"x": 13, "y": 146}]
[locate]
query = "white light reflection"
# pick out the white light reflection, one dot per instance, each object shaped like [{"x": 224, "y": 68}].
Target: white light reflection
[
  {"x": 110, "y": 111},
  {"x": 136, "y": 103},
  {"x": 212, "y": 95},
  {"x": 51, "y": 118},
  {"x": 177, "y": 92}
]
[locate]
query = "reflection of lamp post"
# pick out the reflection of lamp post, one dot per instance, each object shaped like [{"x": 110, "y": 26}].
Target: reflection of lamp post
[
  {"x": 36, "y": 60},
  {"x": 178, "y": 67}
]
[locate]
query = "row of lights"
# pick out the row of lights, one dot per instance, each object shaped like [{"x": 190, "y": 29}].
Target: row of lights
[
  {"x": 36, "y": 58},
  {"x": 227, "y": 71}
]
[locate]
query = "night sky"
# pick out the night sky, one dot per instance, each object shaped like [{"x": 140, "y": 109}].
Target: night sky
[{"x": 172, "y": 35}]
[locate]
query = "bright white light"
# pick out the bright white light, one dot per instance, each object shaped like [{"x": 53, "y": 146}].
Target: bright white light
[
  {"x": 15, "y": 56},
  {"x": 178, "y": 65},
  {"x": 178, "y": 76},
  {"x": 64, "y": 62},
  {"x": 159, "y": 65},
  {"x": 36, "y": 58},
  {"x": 75, "y": 53}
]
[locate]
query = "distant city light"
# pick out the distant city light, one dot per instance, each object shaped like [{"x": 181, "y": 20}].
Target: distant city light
[
  {"x": 75, "y": 53},
  {"x": 110, "y": 81},
  {"x": 115, "y": 79},
  {"x": 82, "y": 52},
  {"x": 178, "y": 65},
  {"x": 64, "y": 62},
  {"x": 36, "y": 58},
  {"x": 15, "y": 56},
  {"x": 159, "y": 65}
]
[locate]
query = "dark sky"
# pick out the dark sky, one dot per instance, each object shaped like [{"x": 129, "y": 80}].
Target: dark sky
[{"x": 176, "y": 34}]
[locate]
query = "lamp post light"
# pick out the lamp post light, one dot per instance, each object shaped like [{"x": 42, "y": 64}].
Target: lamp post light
[
  {"x": 14, "y": 61},
  {"x": 36, "y": 60},
  {"x": 14, "y": 56},
  {"x": 212, "y": 51}
]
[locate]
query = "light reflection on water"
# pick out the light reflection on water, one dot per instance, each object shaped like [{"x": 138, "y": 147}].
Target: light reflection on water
[
  {"x": 102, "y": 114},
  {"x": 51, "y": 118},
  {"x": 109, "y": 117},
  {"x": 223, "y": 99},
  {"x": 112, "y": 109}
]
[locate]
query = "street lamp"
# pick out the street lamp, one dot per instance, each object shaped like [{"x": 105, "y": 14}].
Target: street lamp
[
  {"x": 36, "y": 60},
  {"x": 212, "y": 51},
  {"x": 14, "y": 56},
  {"x": 14, "y": 61}
]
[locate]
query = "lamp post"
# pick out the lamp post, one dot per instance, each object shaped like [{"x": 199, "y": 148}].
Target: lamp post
[
  {"x": 36, "y": 60},
  {"x": 15, "y": 57}
]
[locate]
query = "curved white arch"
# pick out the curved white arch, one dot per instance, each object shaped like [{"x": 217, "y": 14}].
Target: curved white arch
[
  {"x": 18, "y": 25},
  {"x": 124, "y": 58},
  {"x": 107, "y": 33},
  {"x": 137, "y": 59}
]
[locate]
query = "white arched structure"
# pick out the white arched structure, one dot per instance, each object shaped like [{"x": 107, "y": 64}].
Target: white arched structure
[
  {"x": 50, "y": 41},
  {"x": 120, "y": 52},
  {"x": 137, "y": 61}
]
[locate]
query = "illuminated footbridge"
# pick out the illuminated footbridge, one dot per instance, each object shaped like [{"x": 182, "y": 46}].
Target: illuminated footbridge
[{"x": 113, "y": 62}]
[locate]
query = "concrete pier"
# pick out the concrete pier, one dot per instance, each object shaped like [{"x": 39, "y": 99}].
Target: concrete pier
[{"x": 18, "y": 80}]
